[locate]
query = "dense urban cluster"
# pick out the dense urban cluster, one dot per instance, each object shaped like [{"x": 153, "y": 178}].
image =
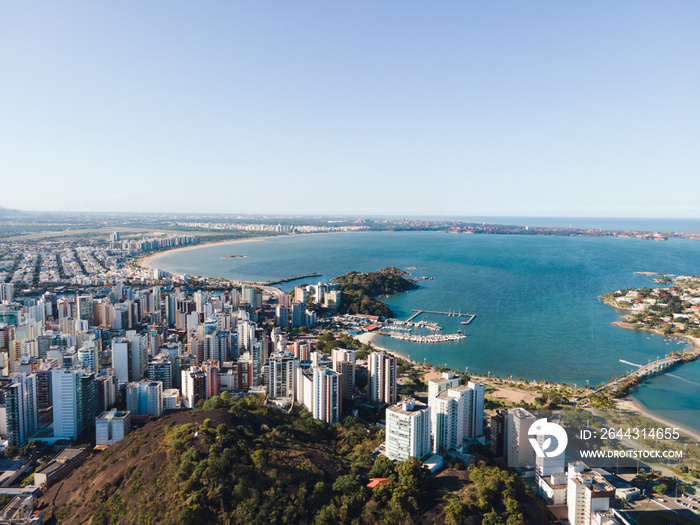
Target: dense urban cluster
[
  {"x": 106, "y": 345},
  {"x": 55, "y": 263},
  {"x": 279, "y": 228}
]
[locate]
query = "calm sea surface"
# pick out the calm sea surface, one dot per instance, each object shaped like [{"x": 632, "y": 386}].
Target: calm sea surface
[{"x": 535, "y": 298}]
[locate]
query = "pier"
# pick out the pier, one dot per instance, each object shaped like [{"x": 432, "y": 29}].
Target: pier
[
  {"x": 652, "y": 368},
  {"x": 449, "y": 314}
]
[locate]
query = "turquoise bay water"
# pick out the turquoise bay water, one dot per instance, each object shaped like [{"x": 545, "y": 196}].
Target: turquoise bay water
[{"x": 535, "y": 298}]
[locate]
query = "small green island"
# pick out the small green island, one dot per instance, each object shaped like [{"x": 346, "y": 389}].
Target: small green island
[{"x": 360, "y": 290}]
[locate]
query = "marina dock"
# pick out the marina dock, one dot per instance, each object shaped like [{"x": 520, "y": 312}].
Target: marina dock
[{"x": 448, "y": 313}]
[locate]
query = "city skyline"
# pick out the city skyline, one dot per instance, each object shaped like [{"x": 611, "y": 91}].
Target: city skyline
[{"x": 443, "y": 110}]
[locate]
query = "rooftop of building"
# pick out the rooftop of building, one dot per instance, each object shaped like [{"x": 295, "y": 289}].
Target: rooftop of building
[
  {"x": 61, "y": 459},
  {"x": 375, "y": 482},
  {"x": 521, "y": 413},
  {"x": 595, "y": 482},
  {"x": 407, "y": 406},
  {"x": 113, "y": 414},
  {"x": 69, "y": 454}
]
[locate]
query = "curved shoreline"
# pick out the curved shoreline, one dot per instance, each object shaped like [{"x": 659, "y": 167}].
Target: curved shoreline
[
  {"x": 691, "y": 339},
  {"x": 145, "y": 261},
  {"x": 627, "y": 402},
  {"x": 634, "y": 405}
]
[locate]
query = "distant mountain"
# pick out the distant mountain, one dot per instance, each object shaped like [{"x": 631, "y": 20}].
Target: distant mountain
[{"x": 8, "y": 213}]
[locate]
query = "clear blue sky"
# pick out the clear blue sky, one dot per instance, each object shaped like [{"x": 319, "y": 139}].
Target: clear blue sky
[{"x": 359, "y": 107}]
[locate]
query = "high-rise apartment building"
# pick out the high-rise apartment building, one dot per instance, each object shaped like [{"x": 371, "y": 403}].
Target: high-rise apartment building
[
  {"x": 327, "y": 402},
  {"x": 145, "y": 397},
  {"x": 586, "y": 494},
  {"x": 407, "y": 430},
  {"x": 457, "y": 414},
  {"x": 520, "y": 451},
  {"x": 194, "y": 387},
  {"x": 382, "y": 378},
  {"x": 121, "y": 360},
  {"x": 89, "y": 402},
  {"x": 280, "y": 375},
  {"x": 19, "y": 407},
  {"x": 6, "y": 292},
  {"x": 139, "y": 354},
  {"x": 161, "y": 370},
  {"x": 111, "y": 427},
  {"x": 66, "y": 394},
  {"x": 84, "y": 308},
  {"x": 344, "y": 364},
  {"x": 499, "y": 423}
]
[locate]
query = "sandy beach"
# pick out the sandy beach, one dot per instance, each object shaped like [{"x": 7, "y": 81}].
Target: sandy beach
[
  {"x": 630, "y": 404},
  {"x": 146, "y": 260},
  {"x": 367, "y": 337}
]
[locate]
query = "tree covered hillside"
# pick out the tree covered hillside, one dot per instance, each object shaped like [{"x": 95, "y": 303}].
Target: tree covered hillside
[
  {"x": 240, "y": 461},
  {"x": 360, "y": 290}
]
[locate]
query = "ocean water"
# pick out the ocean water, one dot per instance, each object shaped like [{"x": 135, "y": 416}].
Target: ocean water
[{"x": 535, "y": 298}]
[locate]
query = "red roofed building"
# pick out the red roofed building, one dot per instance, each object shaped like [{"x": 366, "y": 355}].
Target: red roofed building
[{"x": 375, "y": 482}]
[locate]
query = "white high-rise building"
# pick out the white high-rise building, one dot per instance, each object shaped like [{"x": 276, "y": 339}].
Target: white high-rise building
[
  {"x": 66, "y": 396},
  {"x": 457, "y": 414},
  {"x": 344, "y": 364},
  {"x": 546, "y": 466},
  {"x": 199, "y": 298},
  {"x": 327, "y": 395},
  {"x": 319, "y": 390},
  {"x": 448, "y": 380},
  {"x": 382, "y": 378},
  {"x": 281, "y": 375},
  {"x": 111, "y": 427},
  {"x": 89, "y": 357},
  {"x": 121, "y": 360},
  {"x": 248, "y": 295},
  {"x": 246, "y": 336},
  {"x": 194, "y": 387},
  {"x": 407, "y": 430},
  {"x": 520, "y": 451},
  {"x": 139, "y": 354},
  {"x": 6, "y": 292},
  {"x": 145, "y": 397},
  {"x": 586, "y": 494}
]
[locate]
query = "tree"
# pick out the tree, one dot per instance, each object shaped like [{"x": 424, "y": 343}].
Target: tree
[
  {"x": 383, "y": 468},
  {"x": 346, "y": 484}
]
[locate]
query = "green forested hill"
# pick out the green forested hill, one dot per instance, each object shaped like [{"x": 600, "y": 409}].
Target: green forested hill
[
  {"x": 243, "y": 462},
  {"x": 360, "y": 290}
]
